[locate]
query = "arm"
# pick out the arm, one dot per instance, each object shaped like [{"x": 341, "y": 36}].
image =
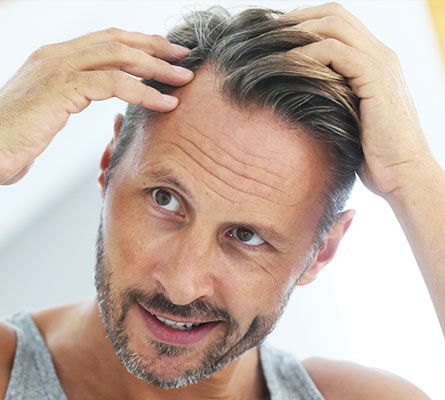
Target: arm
[
  {"x": 398, "y": 164},
  {"x": 62, "y": 79},
  {"x": 420, "y": 208},
  {"x": 7, "y": 351},
  {"x": 341, "y": 380}
]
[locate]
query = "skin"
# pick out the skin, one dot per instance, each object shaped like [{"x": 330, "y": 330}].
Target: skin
[
  {"x": 146, "y": 244},
  {"x": 148, "y": 248},
  {"x": 398, "y": 167}
]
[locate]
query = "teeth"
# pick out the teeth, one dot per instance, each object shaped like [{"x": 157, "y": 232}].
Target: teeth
[{"x": 177, "y": 325}]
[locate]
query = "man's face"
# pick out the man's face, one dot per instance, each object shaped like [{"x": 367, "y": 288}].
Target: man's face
[{"x": 209, "y": 218}]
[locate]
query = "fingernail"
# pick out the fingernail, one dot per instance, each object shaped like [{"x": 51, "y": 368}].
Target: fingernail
[
  {"x": 170, "y": 100},
  {"x": 182, "y": 71}
]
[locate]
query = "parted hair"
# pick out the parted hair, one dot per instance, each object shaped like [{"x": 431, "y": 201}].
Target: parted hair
[{"x": 249, "y": 55}]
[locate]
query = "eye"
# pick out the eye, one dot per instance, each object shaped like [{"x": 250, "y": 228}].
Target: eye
[
  {"x": 246, "y": 236},
  {"x": 166, "y": 200}
]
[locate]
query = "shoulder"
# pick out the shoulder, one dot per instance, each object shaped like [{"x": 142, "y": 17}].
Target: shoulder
[
  {"x": 346, "y": 380},
  {"x": 7, "y": 353}
]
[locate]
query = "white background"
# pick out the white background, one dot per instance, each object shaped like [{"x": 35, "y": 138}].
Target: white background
[{"x": 370, "y": 305}]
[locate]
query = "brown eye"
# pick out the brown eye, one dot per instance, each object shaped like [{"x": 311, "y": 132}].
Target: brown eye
[
  {"x": 166, "y": 200},
  {"x": 246, "y": 236}
]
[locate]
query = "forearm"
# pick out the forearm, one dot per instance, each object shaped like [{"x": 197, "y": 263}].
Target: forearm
[
  {"x": 12, "y": 169},
  {"x": 420, "y": 209}
]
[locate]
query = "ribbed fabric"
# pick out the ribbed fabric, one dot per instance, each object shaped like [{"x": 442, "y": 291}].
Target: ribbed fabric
[
  {"x": 33, "y": 376},
  {"x": 285, "y": 376}
]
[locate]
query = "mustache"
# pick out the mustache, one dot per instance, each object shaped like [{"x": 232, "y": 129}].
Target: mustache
[{"x": 158, "y": 302}]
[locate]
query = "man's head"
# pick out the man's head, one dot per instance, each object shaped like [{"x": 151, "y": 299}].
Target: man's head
[{"x": 214, "y": 212}]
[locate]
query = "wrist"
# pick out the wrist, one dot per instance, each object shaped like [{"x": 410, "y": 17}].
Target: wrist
[
  {"x": 425, "y": 181},
  {"x": 11, "y": 168}
]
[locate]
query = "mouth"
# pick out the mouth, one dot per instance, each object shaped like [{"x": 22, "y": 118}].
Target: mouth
[{"x": 176, "y": 332}]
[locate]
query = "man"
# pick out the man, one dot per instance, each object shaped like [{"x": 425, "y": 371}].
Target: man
[{"x": 217, "y": 202}]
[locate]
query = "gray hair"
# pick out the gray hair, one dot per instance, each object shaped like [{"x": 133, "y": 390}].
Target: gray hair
[{"x": 248, "y": 54}]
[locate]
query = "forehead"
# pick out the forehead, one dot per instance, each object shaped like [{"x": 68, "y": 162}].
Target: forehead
[{"x": 243, "y": 157}]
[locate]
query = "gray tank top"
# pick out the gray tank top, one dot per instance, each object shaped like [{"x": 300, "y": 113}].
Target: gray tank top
[{"x": 33, "y": 376}]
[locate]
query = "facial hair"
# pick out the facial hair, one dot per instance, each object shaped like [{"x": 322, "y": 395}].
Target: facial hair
[{"x": 114, "y": 308}]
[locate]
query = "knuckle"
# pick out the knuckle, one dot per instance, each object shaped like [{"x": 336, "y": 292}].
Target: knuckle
[
  {"x": 40, "y": 53},
  {"x": 113, "y": 32},
  {"x": 334, "y": 7},
  {"x": 114, "y": 47},
  {"x": 160, "y": 39},
  {"x": 332, "y": 20},
  {"x": 390, "y": 55},
  {"x": 51, "y": 66},
  {"x": 332, "y": 43},
  {"x": 71, "y": 77},
  {"x": 156, "y": 41},
  {"x": 116, "y": 76}
]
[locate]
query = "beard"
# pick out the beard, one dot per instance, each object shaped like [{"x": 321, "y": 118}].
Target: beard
[{"x": 114, "y": 307}]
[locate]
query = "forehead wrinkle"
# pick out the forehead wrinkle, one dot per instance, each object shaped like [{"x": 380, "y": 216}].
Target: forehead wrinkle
[
  {"x": 222, "y": 180},
  {"x": 172, "y": 169},
  {"x": 189, "y": 171},
  {"x": 173, "y": 161},
  {"x": 165, "y": 173},
  {"x": 196, "y": 178},
  {"x": 274, "y": 159},
  {"x": 227, "y": 168}
]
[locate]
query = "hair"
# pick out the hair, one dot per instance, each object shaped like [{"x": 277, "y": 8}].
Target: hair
[{"x": 249, "y": 55}]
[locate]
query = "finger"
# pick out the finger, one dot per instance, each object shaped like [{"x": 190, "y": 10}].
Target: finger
[
  {"x": 330, "y": 9},
  {"x": 154, "y": 45},
  {"x": 336, "y": 27},
  {"x": 115, "y": 55},
  {"x": 101, "y": 85},
  {"x": 361, "y": 70}
]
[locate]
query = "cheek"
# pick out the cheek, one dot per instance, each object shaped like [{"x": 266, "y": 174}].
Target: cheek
[
  {"x": 135, "y": 245},
  {"x": 257, "y": 288},
  {"x": 130, "y": 237}
]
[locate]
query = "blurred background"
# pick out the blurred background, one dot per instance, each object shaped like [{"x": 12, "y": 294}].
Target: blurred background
[{"x": 369, "y": 306}]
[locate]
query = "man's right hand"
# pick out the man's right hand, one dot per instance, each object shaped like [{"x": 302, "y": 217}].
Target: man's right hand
[{"x": 63, "y": 78}]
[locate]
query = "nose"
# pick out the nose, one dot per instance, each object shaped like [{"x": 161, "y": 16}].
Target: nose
[{"x": 186, "y": 272}]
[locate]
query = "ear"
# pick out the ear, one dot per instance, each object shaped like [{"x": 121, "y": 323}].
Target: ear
[
  {"x": 109, "y": 150},
  {"x": 327, "y": 251}
]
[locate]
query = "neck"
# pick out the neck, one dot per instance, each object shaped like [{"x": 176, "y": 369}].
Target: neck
[{"x": 102, "y": 372}]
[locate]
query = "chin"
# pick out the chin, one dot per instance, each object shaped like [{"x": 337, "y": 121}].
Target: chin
[{"x": 165, "y": 365}]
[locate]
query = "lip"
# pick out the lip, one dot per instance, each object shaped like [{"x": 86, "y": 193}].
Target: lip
[
  {"x": 166, "y": 334},
  {"x": 174, "y": 319}
]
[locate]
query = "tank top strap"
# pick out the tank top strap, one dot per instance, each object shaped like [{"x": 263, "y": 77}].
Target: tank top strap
[
  {"x": 285, "y": 376},
  {"x": 33, "y": 375}
]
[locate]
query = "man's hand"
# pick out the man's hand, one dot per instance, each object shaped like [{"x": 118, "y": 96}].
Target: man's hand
[
  {"x": 398, "y": 163},
  {"x": 61, "y": 79},
  {"x": 393, "y": 144}
]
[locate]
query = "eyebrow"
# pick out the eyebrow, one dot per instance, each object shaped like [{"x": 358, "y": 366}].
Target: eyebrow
[{"x": 167, "y": 175}]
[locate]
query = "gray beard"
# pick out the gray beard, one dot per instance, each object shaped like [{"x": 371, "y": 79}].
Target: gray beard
[{"x": 114, "y": 309}]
